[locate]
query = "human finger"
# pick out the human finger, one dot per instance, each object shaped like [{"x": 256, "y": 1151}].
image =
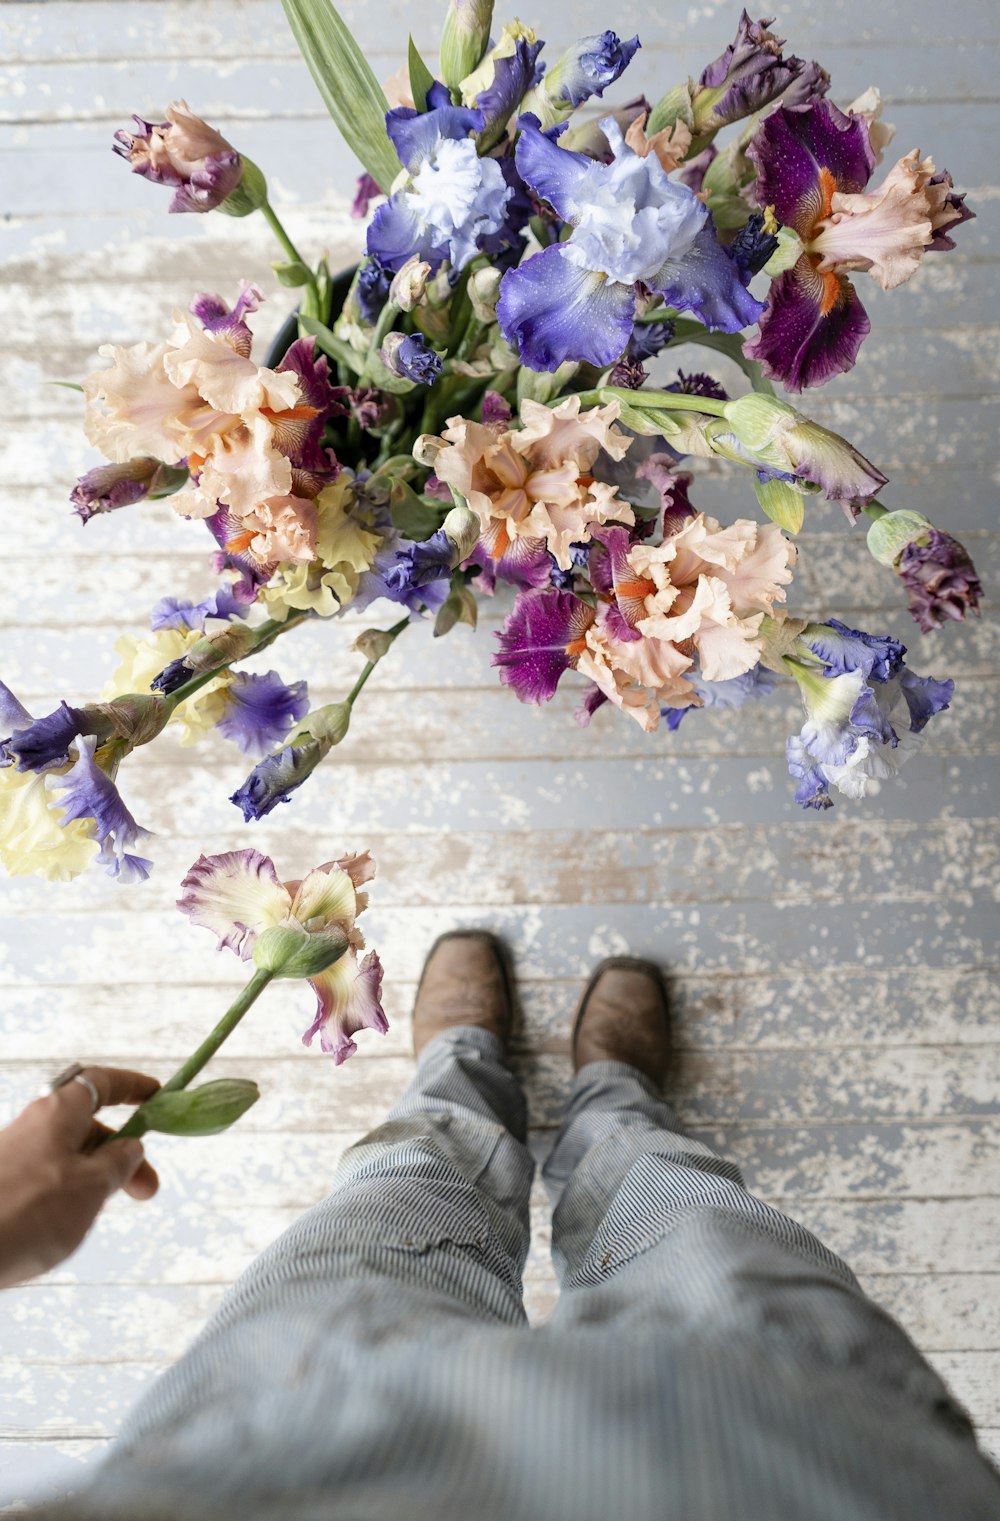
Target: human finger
[
  {"x": 144, "y": 1182},
  {"x": 116, "y": 1164},
  {"x": 73, "y": 1102}
]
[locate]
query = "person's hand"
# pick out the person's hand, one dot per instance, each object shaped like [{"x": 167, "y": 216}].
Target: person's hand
[{"x": 52, "y": 1181}]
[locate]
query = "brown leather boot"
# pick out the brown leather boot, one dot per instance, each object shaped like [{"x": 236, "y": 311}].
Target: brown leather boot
[
  {"x": 624, "y": 1016},
  {"x": 465, "y": 981}
]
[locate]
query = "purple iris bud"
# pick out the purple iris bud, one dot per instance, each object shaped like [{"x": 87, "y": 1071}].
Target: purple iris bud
[
  {"x": 495, "y": 409},
  {"x": 91, "y": 794},
  {"x": 108, "y": 487},
  {"x": 940, "y": 579},
  {"x": 811, "y": 83},
  {"x": 542, "y": 637},
  {"x": 589, "y": 67},
  {"x": 416, "y": 360},
  {"x": 185, "y": 153},
  {"x": 513, "y": 77},
  {"x": 752, "y": 246},
  {"x": 275, "y": 778},
  {"x": 628, "y": 373},
  {"x": 260, "y": 710},
  {"x": 46, "y": 742},
  {"x": 372, "y": 290},
  {"x": 371, "y": 408},
  {"x": 648, "y": 338},
  {"x": 745, "y": 78},
  {"x": 417, "y": 576},
  {"x": 175, "y": 612},
  {"x": 699, "y": 383}
]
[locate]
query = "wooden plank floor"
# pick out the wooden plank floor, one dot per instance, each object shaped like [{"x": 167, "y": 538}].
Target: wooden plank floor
[{"x": 837, "y": 973}]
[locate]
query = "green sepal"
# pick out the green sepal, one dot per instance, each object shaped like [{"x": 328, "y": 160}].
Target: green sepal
[
  {"x": 350, "y": 91},
  {"x": 421, "y": 77},
  {"x": 292, "y": 273},
  {"x": 782, "y": 503},
  {"x": 676, "y": 105},
  {"x": 460, "y": 606},
  {"x": 410, "y": 514},
  {"x": 206, "y": 1110},
  {"x": 170, "y": 479},
  {"x": 250, "y": 194},
  {"x": 889, "y": 535},
  {"x": 285, "y": 951}
]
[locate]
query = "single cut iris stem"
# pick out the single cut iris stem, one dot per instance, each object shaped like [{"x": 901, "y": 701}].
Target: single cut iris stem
[
  {"x": 393, "y": 633},
  {"x": 199, "y": 1058},
  {"x": 266, "y": 634},
  {"x": 666, "y": 401},
  {"x": 288, "y": 247},
  {"x": 874, "y": 510}
]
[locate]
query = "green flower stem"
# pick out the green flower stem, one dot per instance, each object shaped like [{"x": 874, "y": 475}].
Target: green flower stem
[
  {"x": 288, "y": 247},
  {"x": 370, "y": 665},
  {"x": 266, "y": 634},
  {"x": 198, "y": 1059},
  {"x": 650, "y": 401},
  {"x": 875, "y": 510}
]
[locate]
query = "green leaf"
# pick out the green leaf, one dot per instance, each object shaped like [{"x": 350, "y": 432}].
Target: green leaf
[
  {"x": 413, "y": 517},
  {"x": 199, "y": 1111},
  {"x": 292, "y": 273},
  {"x": 67, "y": 385},
  {"x": 350, "y": 91},
  {"x": 782, "y": 503},
  {"x": 330, "y": 343},
  {"x": 421, "y": 77}
]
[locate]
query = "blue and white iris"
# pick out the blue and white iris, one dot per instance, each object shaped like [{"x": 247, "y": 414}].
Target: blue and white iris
[
  {"x": 633, "y": 229},
  {"x": 454, "y": 204},
  {"x": 864, "y": 712}
]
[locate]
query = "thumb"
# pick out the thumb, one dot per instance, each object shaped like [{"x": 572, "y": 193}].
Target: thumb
[{"x": 115, "y": 1163}]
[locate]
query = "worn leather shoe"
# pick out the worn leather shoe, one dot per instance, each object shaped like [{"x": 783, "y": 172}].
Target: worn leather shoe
[
  {"x": 465, "y": 981},
  {"x": 624, "y": 1016}
]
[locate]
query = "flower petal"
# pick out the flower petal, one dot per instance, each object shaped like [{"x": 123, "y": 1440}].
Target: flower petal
[
  {"x": 803, "y": 155},
  {"x": 325, "y": 896},
  {"x": 416, "y": 134},
  {"x": 260, "y": 709},
  {"x": 552, "y": 310},
  {"x": 706, "y": 281},
  {"x": 537, "y": 639},
  {"x": 812, "y": 329},
  {"x": 553, "y": 173},
  {"x": 348, "y": 999},
  {"x": 235, "y": 895}
]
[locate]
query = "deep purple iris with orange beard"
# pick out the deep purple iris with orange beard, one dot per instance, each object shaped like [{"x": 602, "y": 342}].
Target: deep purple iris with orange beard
[{"x": 813, "y": 164}]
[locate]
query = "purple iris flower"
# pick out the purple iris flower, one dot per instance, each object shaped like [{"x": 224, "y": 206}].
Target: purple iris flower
[
  {"x": 13, "y": 715},
  {"x": 372, "y": 289},
  {"x": 542, "y": 637},
  {"x": 45, "y": 742},
  {"x": 864, "y": 711},
  {"x": 184, "y": 152},
  {"x": 175, "y": 612},
  {"x": 632, "y": 227},
  {"x": 300, "y": 438},
  {"x": 648, "y": 338},
  {"x": 91, "y": 794},
  {"x": 750, "y": 686},
  {"x": 416, "y": 576},
  {"x": 455, "y": 204},
  {"x": 525, "y": 562},
  {"x": 260, "y": 710},
  {"x": 563, "y": 579},
  {"x": 513, "y": 77}
]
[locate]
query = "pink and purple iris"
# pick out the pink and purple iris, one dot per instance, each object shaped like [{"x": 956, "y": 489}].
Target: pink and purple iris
[
  {"x": 634, "y": 229},
  {"x": 543, "y": 637}
]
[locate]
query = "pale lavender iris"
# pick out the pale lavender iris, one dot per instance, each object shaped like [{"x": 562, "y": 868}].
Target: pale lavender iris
[
  {"x": 260, "y": 710},
  {"x": 633, "y": 229},
  {"x": 455, "y": 204},
  {"x": 45, "y": 742},
  {"x": 275, "y": 778},
  {"x": 176, "y": 612},
  {"x": 91, "y": 794},
  {"x": 414, "y": 575},
  {"x": 589, "y": 67},
  {"x": 750, "y": 686}
]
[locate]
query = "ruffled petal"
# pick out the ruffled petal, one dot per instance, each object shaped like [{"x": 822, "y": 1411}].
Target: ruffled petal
[
  {"x": 326, "y": 896},
  {"x": 803, "y": 155},
  {"x": 541, "y": 638},
  {"x": 396, "y": 233},
  {"x": 812, "y": 329},
  {"x": 348, "y": 999},
  {"x": 553, "y": 173},
  {"x": 235, "y": 895},
  {"x": 416, "y": 134},
  {"x": 706, "y": 281},
  {"x": 551, "y": 310}
]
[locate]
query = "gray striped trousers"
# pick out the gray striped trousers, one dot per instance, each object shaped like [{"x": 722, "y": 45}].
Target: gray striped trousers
[{"x": 708, "y": 1359}]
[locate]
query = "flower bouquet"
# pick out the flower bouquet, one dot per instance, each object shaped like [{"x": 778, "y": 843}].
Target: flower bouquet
[{"x": 491, "y": 396}]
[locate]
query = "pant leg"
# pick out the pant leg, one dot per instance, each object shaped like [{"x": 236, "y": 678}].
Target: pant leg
[
  {"x": 425, "y": 1226},
  {"x": 652, "y": 1227}
]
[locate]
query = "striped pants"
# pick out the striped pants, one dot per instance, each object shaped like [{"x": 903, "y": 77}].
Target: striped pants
[{"x": 708, "y": 1360}]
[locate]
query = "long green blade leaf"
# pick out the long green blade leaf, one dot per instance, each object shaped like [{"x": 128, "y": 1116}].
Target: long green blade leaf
[{"x": 350, "y": 91}]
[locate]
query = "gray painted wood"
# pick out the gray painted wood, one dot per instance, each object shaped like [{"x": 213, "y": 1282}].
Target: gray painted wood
[{"x": 836, "y": 976}]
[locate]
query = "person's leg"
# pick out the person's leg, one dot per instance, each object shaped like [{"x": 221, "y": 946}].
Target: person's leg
[
  {"x": 425, "y": 1226},
  {"x": 652, "y": 1228}
]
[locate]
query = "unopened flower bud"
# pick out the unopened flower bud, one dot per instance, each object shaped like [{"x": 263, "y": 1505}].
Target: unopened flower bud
[
  {"x": 484, "y": 292},
  {"x": 185, "y": 153},
  {"x": 464, "y": 38},
  {"x": 410, "y": 357},
  {"x": 889, "y": 535},
  {"x": 463, "y": 528},
  {"x": 409, "y": 284},
  {"x": 373, "y": 643},
  {"x": 286, "y": 951},
  {"x": 585, "y": 69},
  {"x": 208, "y": 654},
  {"x": 427, "y": 448}
]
